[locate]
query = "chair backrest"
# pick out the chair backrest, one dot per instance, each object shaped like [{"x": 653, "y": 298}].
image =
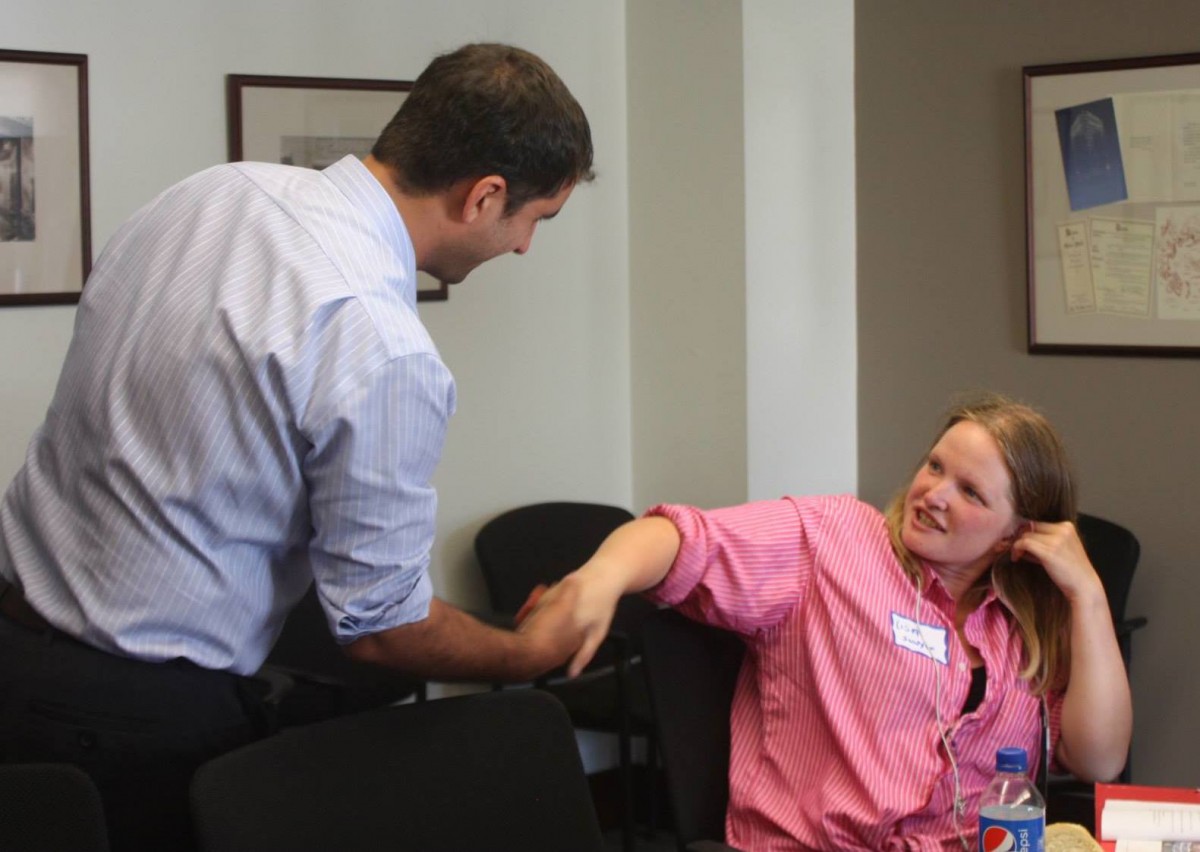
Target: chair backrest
[
  {"x": 543, "y": 542},
  {"x": 692, "y": 669},
  {"x": 497, "y": 770},
  {"x": 540, "y": 543},
  {"x": 50, "y": 807},
  {"x": 1114, "y": 552}
]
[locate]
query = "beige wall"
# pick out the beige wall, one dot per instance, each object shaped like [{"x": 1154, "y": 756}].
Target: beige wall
[
  {"x": 687, "y": 251},
  {"x": 941, "y": 302}
]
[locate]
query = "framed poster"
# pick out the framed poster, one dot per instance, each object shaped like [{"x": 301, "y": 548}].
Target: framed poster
[
  {"x": 45, "y": 222},
  {"x": 313, "y": 122},
  {"x": 1112, "y": 170}
]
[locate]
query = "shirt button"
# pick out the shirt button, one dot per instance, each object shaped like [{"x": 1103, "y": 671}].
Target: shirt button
[{"x": 962, "y": 667}]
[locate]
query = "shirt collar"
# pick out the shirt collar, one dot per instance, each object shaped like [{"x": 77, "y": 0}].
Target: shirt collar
[
  {"x": 364, "y": 191},
  {"x": 931, "y": 581}
]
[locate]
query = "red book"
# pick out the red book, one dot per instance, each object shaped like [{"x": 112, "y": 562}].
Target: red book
[{"x": 1134, "y": 792}]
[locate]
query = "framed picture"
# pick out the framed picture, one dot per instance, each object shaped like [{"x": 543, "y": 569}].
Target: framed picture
[
  {"x": 313, "y": 122},
  {"x": 45, "y": 222},
  {"x": 1112, "y": 171}
]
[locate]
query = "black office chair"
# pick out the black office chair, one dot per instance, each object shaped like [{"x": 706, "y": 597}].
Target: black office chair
[
  {"x": 692, "y": 670},
  {"x": 1114, "y": 552},
  {"x": 497, "y": 771},
  {"x": 314, "y": 680},
  {"x": 50, "y": 807},
  {"x": 539, "y": 544}
]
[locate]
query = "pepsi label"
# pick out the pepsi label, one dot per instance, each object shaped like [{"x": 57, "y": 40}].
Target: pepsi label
[{"x": 1006, "y": 832}]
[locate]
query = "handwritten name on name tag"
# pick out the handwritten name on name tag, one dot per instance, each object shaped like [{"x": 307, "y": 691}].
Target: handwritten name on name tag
[{"x": 924, "y": 639}]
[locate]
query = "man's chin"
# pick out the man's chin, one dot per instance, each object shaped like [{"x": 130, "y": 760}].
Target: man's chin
[{"x": 447, "y": 277}]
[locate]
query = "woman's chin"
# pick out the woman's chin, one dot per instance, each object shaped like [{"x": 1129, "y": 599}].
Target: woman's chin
[{"x": 913, "y": 539}]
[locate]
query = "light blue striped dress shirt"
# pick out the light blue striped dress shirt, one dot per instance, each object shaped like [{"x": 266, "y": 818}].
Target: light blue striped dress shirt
[{"x": 249, "y": 402}]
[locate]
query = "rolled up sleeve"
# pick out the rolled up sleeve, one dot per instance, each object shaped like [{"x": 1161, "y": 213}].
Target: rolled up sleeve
[{"x": 373, "y": 507}]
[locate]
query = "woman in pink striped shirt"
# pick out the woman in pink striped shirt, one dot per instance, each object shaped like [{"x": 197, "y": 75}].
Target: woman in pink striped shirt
[{"x": 890, "y": 654}]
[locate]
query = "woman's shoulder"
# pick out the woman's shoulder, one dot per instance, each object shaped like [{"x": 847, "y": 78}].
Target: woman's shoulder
[
  {"x": 842, "y": 521},
  {"x": 817, "y": 518},
  {"x": 840, "y": 508}
]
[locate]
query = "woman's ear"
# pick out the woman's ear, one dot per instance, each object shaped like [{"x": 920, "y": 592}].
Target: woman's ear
[{"x": 1020, "y": 525}]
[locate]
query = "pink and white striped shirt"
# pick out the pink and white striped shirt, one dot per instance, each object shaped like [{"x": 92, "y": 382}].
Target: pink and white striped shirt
[{"x": 835, "y": 742}]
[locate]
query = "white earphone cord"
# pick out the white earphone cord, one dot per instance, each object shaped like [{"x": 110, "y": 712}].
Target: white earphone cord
[{"x": 960, "y": 805}]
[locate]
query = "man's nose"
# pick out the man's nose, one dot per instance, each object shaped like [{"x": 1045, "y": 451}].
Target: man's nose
[{"x": 524, "y": 247}]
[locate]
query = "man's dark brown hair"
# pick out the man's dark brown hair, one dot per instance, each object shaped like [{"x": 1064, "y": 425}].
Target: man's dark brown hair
[{"x": 488, "y": 109}]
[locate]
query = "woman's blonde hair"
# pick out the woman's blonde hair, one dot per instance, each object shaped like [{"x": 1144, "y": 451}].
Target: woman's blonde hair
[{"x": 1042, "y": 490}]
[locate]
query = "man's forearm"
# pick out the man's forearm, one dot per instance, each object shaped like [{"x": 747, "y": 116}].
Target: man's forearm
[{"x": 451, "y": 645}]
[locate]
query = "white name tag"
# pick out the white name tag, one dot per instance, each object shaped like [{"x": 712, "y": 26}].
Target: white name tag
[{"x": 924, "y": 639}]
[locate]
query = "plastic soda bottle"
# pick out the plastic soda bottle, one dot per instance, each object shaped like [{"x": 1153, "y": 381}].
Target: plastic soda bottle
[{"x": 1012, "y": 814}]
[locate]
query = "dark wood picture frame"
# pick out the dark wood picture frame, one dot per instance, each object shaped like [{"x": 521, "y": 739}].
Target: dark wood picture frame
[
  {"x": 312, "y": 121},
  {"x": 1112, "y": 173},
  {"x": 45, "y": 212}
]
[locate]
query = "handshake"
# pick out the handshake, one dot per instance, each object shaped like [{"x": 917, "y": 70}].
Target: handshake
[{"x": 530, "y": 602}]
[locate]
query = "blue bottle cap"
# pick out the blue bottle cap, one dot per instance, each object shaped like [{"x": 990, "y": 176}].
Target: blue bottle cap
[{"x": 1011, "y": 760}]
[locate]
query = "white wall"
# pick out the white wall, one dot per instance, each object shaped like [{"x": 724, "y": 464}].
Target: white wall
[
  {"x": 539, "y": 345},
  {"x": 800, "y": 271}
]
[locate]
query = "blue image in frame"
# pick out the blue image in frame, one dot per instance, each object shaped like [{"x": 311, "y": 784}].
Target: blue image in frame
[{"x": 1091, "y": 154}]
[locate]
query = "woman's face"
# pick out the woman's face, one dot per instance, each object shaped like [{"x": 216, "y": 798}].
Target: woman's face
[{"x": 958, "y": 512}]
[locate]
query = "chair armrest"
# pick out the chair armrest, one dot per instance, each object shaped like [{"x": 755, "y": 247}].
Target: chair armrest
[
  {"x": 709, "y": 846},
  {"x": 278, "y": 682},
  {"x": 1126, "y": 627}
]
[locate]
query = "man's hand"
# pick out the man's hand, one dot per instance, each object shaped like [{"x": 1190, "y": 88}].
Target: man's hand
[
  {"x": 530, "y": 603},
  {"x": 451, "y": 645},
  {"x": 550, "y": 622},
  {"x": 583, "y": 603}
]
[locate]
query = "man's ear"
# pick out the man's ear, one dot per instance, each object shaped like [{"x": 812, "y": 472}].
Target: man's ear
[{"x": 486, "y": 195}]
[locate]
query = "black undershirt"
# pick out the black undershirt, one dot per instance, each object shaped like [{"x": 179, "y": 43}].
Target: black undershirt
[{"x": 978, "y": 688}]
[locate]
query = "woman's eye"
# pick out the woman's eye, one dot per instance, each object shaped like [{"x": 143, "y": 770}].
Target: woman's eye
[
  {"x": 934, "y": 466},
  {"x": 972, "y": 494}
]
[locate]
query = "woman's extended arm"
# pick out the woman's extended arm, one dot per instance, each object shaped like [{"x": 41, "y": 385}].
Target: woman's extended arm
[
  {"x": 1097, "y": 715},
  {"x": 635, "y": 557}
]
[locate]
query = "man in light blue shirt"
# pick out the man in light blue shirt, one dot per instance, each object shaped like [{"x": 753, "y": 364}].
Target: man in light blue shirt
[{"x": 250, "y": 404}]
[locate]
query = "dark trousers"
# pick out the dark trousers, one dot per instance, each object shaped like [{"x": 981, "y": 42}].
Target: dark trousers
[{"x": 138, "y": 729}]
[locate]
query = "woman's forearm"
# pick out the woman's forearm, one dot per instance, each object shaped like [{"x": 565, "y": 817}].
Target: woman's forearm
[
  {"x": 1097, "y": 716},
  {"x": 637, "y": 555}
]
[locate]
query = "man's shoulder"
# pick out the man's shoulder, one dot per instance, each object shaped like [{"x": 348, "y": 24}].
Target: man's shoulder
[
  {"x": 238, "y": 183},
  {"x": 277, "y": 180}
]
